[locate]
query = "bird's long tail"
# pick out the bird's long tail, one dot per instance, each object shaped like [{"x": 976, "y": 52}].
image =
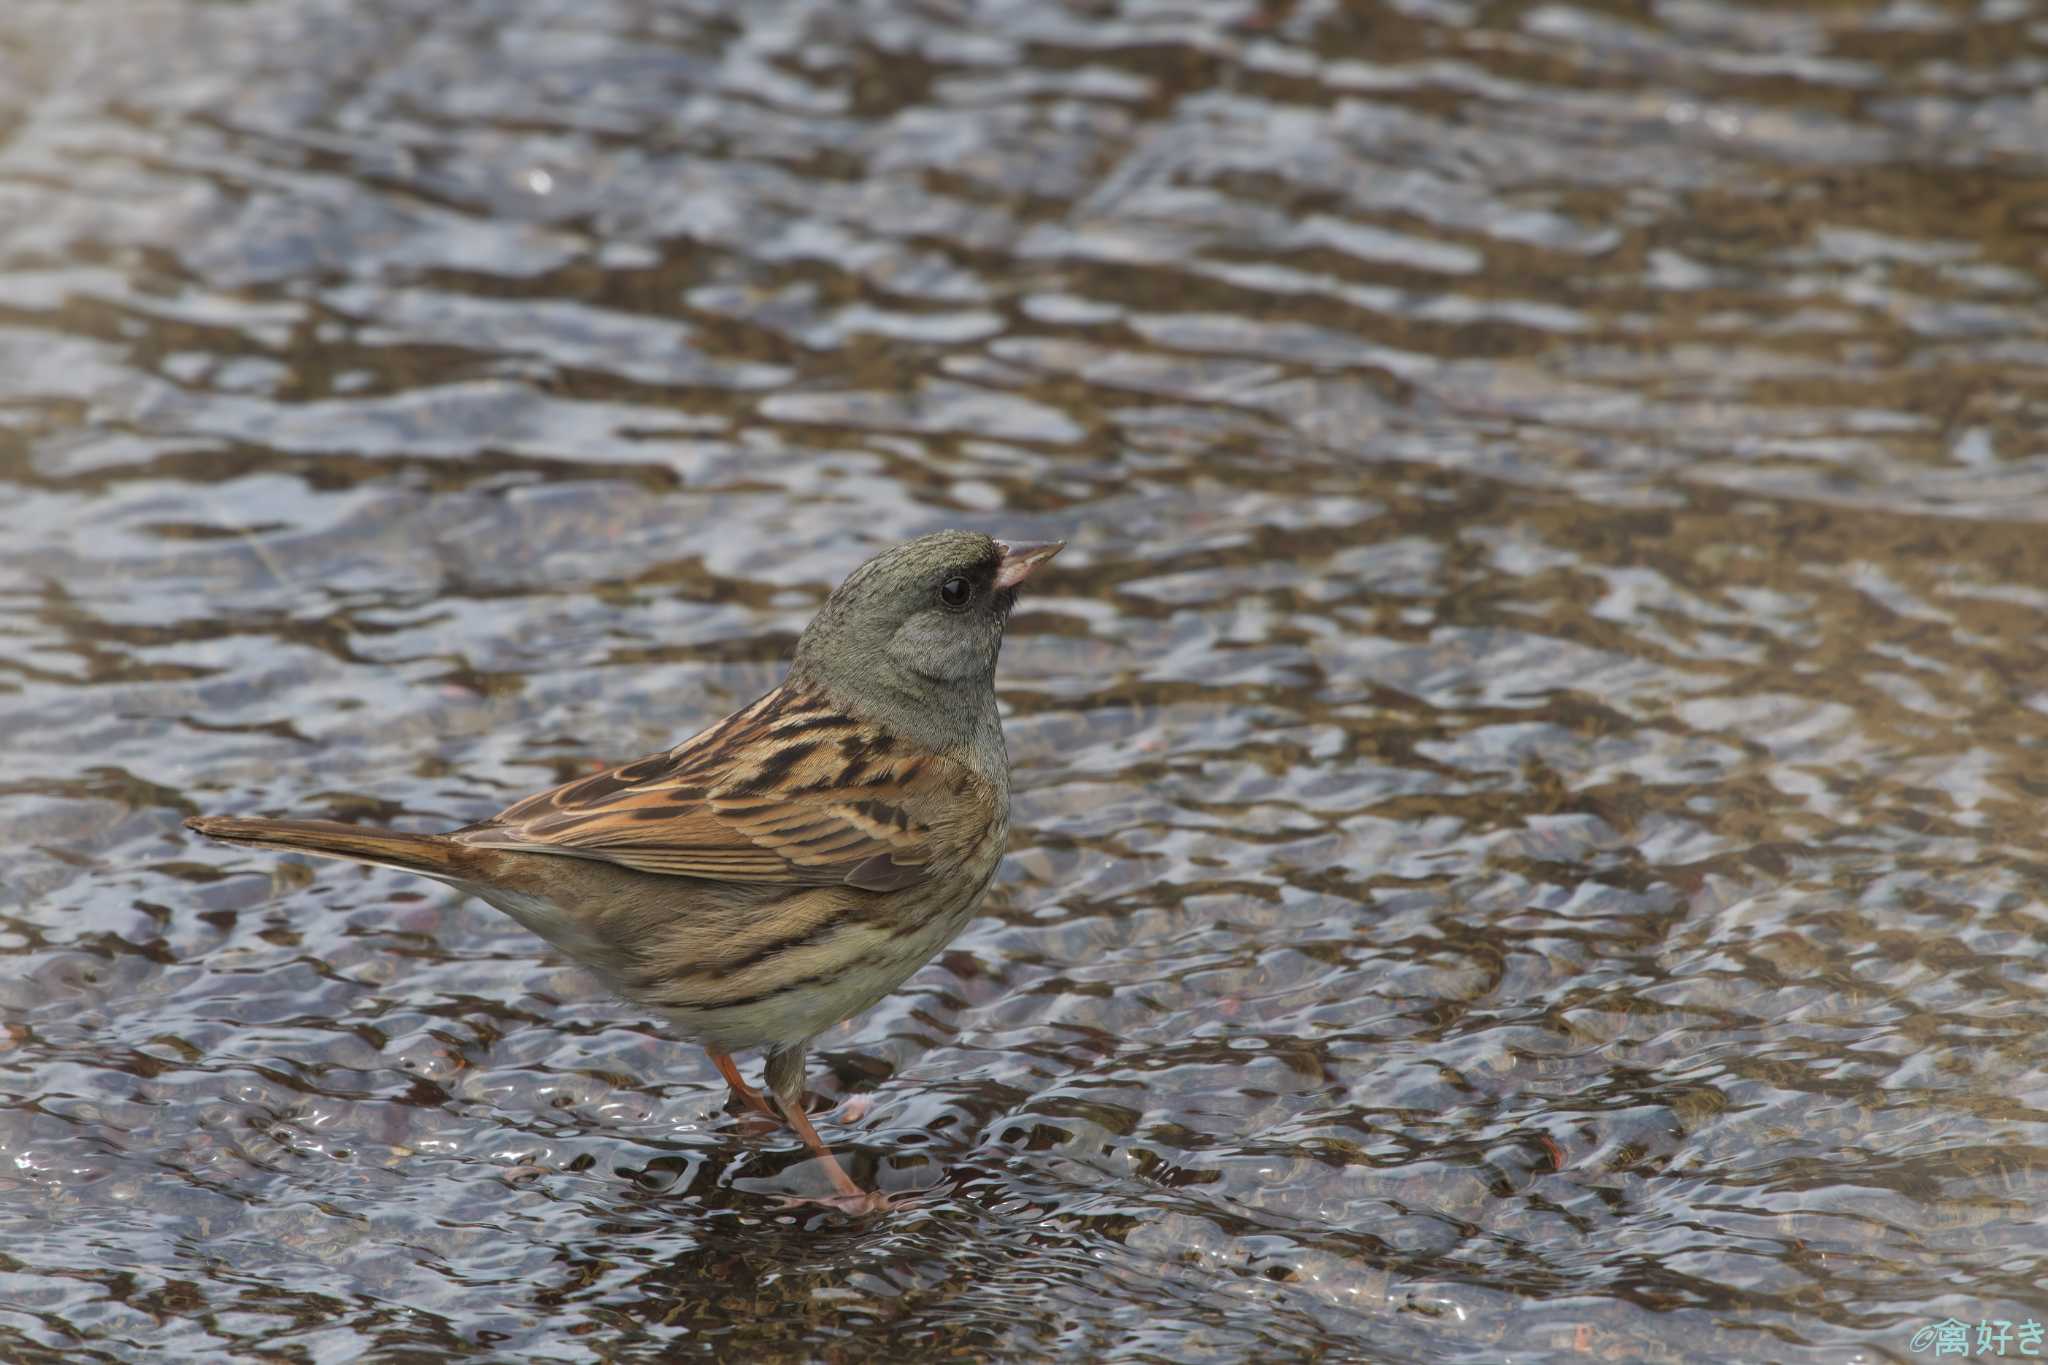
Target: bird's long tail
[{"x": 432, "y": 855}]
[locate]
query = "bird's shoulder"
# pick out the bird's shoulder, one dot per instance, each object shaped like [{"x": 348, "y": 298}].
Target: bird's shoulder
[{"x": 790, "y": 789}]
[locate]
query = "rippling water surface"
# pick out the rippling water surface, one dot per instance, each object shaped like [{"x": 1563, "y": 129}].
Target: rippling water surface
[{"x": 1527, "y": 832}]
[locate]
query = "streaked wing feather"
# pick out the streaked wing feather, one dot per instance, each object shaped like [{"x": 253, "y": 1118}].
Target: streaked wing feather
[{"x": 788, "y": 790}]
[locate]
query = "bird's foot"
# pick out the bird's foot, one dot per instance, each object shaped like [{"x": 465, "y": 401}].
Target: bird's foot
[{"x": 858, "y": 1204}]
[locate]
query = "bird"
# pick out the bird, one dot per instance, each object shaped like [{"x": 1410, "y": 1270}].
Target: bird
[{"x": 791, "y": 865}]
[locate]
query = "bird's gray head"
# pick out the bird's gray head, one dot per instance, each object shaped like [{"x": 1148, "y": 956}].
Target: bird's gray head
[{"x": 911, "y": 636}]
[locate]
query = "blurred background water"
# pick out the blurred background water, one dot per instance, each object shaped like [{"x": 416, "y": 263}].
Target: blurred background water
[{"x": 1526, "y": 837}]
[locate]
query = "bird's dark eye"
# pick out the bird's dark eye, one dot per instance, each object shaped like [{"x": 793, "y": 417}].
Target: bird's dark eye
[{"x": 955, "y": 591}]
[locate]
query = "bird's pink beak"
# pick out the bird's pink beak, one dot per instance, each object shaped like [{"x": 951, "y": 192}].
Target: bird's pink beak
[{"x": 1019, "y": 561}]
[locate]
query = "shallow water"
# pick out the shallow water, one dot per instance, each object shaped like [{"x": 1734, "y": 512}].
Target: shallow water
[{"x": 1525, "y": 842}]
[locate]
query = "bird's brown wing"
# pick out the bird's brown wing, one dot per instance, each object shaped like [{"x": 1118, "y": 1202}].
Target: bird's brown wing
[{"x": 789, "y": 790}]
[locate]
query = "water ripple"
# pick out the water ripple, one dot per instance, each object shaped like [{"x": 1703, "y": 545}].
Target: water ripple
[{"x": 1524, "y": 835}]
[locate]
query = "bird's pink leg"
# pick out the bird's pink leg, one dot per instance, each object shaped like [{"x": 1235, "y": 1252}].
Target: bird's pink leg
[
  {"x": 754, "y": 1099},
  {"x": 854, "y": 1197}
]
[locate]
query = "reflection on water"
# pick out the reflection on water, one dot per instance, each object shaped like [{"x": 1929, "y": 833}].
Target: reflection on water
[{"x": 1526, "y": 835}]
